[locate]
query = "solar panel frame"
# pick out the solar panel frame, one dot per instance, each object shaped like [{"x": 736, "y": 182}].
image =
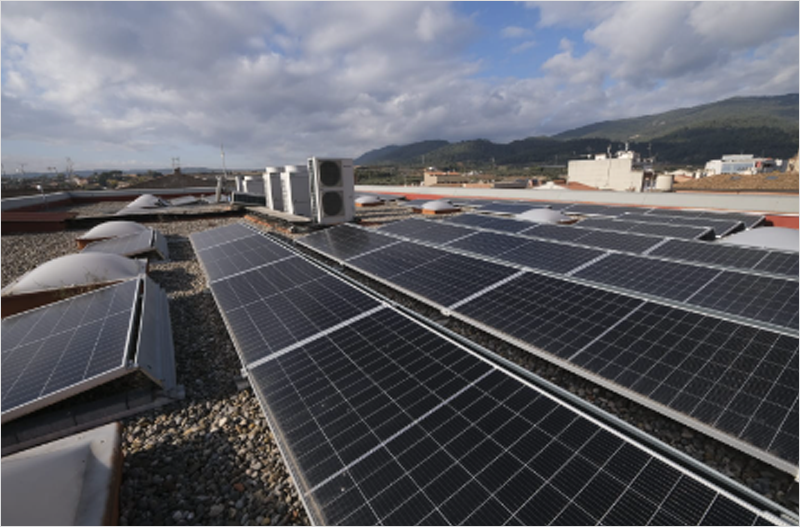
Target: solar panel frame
[
  {"x": 509, "y": 208},
  {"x": 748, "y": 219},
  {"x": 436, "y": 232},
  {"x": 672, "y": 231},
  {"x": 48, "y": 381}
]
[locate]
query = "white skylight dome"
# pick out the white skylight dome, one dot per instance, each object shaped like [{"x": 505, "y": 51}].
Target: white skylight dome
[
  {"x": 368, "y": 200},
  {"x": 112, "y": 229},
  {"x": 542, "y": 215},
  {"x": 146, "y": 201},
  {"x": 439, "y": 205},
  {"x": 75, "y": 270}
]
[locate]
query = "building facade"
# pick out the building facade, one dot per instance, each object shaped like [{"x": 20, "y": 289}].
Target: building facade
[{"x": 625, "y": 172}]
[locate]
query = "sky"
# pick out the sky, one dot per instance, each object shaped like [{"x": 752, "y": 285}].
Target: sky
[{"x": 131, "y": 85}]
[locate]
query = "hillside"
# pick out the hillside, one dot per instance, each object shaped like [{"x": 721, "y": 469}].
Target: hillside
[
  {"x": 739, "y": 112},
  {"x": 757, "y": 125}
]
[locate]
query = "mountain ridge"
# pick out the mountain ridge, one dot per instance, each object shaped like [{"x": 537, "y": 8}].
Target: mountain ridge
[{"x": 759, "y": 125}]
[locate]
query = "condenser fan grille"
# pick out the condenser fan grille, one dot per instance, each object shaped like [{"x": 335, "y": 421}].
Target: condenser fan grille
[
  {"x": 332, "y": 203},
  {"x": 330, "y": 175}
]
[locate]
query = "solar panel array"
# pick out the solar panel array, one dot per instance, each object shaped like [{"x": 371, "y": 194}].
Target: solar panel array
[
  {"x": 565, "y": 321},
  {"x": 64, "y": 346},
  {"x": 773, "y": 301},
  {"x": 383, "y": 421},
  {"x": 687, "y": 232}
]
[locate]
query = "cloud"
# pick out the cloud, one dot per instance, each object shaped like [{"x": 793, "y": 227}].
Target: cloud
[
  {"x": 279, "y": 81},
  {"x": 514, "y": 32}
]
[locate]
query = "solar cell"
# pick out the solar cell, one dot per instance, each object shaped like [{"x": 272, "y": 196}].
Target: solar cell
[
  {"x": 67, "y": 346},
  {"x": 489, "y": 222},
  {"x": 429, "y": 231},
  {"x": 671, "y": 280},
  {"x": 395, "y": 259},
  {"x": 490, "y": 244},
  {"x": 240, "y": 255},
  {"x": 390, "y": 423},
  {"x": 345, "y": 241},
  {"x": 771, "y": 300},
  {"x": 225, "y": 234},
  {"x": 733, "y": 378},
  {"x": 129, "y": 245}
]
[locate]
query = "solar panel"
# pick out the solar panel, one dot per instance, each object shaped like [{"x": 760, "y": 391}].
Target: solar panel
[
  {"x": 728, "y": 256},
  {"x": 673, "y": 231},
  {"x": 64, "y": 348},
  {"x": 555, "y": 232},
  {"x": 671, "y": 280},
  {"x": 584, "y": 208},
  {"x": 240, "y": 255},
  {"x": 749, "y": 220},
  {"x": 344, "y": 241},
  {"x": 780, "y": 264},
  {"x": 389, "y": 423},
  {"x": 265, "y": 319},
  {"x": 490, "y": 244},
  {"x": 615, "y": 339},
  {"x": 423, "y": 230},
  {"x": 227, "y": 233},
  {"x": 733, "y": 378},
  {"x": 549, "y": 313},
  {"x": 489, "y": 222},
  {"x": 555, "y": 257},
  {"x": 722, "y": 227},
  {"x": 771, "y": 300},
  {"x": 129, "y": 245}
]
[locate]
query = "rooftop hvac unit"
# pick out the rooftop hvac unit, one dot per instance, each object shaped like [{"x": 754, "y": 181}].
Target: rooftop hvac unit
[
  {"x": 254, "y": 185},
  {"x": 273, "y": 189},
  {"x": 295, "y": 191},
  {"x": 332, "y": 190}
]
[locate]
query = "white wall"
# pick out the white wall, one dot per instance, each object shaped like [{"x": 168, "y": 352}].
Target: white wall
[{"x": 615, "y": 174}]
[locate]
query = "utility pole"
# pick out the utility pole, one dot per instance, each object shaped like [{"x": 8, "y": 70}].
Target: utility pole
[
  {"x": 69, "y": 168},
  {"x": 224, "y": 175}
]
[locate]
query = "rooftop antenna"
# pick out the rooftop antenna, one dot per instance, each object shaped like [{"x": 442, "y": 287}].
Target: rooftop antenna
[
  {"x": 21, "y": 169},
  {"x": 224, "y": 174},
  {"x": 69, "y": 167}
]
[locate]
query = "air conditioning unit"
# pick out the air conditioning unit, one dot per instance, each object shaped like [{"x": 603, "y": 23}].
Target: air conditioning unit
[
  {"x": 272, "y": 188},
  {"x": 332, "y": 190},
  {"x": 295, "y": 190}
]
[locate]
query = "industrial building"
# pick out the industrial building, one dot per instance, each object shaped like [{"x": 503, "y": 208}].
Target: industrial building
[
  {"x": 742, "y": 164},
  {"x": 626, "y": 172}
]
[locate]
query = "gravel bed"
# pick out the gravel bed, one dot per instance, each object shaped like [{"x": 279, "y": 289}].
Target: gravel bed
[{"x": 210, "y": 459}]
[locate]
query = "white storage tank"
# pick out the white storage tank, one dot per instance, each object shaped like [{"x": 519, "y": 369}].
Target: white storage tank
[
  {"x": 273, "y": 189},
  {"x": 664, "y": 183},
  {"x": 296, "y": 190}
]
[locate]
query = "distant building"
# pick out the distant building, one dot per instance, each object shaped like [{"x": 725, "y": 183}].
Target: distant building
[
  {"x": 625, "y": 172},
  {"x": 742, "y": 164},
  {"x": 432, "y": 178}
]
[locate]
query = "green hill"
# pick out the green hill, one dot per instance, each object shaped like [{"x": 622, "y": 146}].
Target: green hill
[{"x": 757, "y": 125}]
